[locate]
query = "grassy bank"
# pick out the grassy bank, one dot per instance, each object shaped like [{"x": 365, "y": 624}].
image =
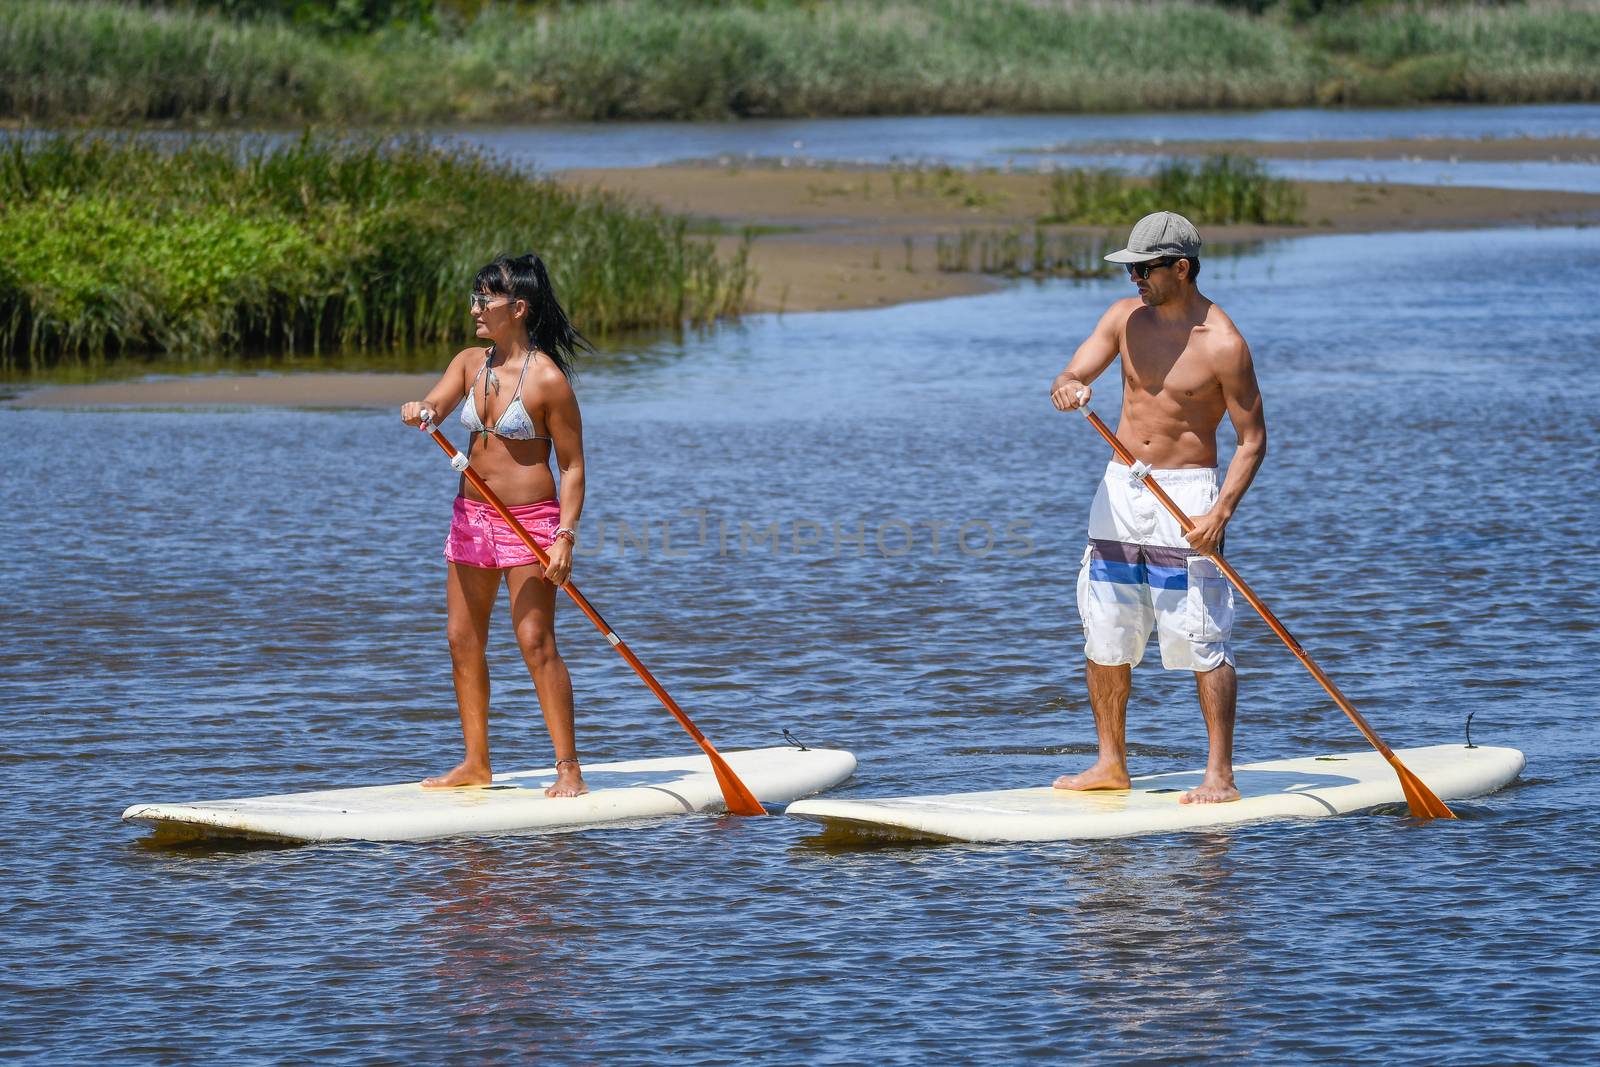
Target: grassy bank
[
  {"x": 112, "y": 246},
  {"x": 109, "y": 62}
]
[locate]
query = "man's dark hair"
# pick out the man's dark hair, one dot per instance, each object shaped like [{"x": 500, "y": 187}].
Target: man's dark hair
[{"x": 1194, "y": 266}]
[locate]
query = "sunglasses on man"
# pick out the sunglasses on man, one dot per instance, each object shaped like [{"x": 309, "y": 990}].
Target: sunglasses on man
[{"x": 1142, "y": 270}]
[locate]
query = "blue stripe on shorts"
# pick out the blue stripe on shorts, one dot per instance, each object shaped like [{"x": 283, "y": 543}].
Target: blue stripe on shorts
[{"x": 1122, "y": 563}]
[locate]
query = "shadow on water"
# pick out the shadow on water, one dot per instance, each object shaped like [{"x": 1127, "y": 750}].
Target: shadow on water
[
  {"x": 1082, "y": 748},
  {"x": 204, "y": 846}
]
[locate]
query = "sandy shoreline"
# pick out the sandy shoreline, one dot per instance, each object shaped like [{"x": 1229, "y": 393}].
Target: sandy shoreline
[{"x": 833, "y": 238}]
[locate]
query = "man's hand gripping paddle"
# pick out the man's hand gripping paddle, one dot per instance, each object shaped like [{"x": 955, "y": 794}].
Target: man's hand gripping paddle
[
  {"x": 1419, "y": 798},
  {"x": 737, "y": 795}
]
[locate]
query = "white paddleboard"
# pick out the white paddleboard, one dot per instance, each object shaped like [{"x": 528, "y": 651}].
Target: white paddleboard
[
  {"x": 1280, "y": 789},
  {"x": 514, "y": 801}
]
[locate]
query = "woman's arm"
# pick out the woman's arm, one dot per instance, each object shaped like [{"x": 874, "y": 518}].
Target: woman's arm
[
  {"x": 446, "y": 393},
  {"x": 562, "y": 419}
]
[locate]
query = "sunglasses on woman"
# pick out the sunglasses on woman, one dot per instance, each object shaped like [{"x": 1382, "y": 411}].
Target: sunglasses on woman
[{"x": 483, "y": 301}]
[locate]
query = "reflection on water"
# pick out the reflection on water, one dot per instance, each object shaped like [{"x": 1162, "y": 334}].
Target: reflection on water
[
  {"x": 1152, "y": 935},
  {"x": 619, "y": 352},
  {"x": 500, "y": 947},
  {"x": 210, "y": 604}
]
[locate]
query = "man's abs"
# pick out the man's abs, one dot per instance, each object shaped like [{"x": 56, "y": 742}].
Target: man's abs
[{"x": 1164, "y": 432}]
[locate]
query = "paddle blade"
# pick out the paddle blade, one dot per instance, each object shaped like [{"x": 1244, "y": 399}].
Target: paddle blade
[
  {"x": 1419, "y": 798},
  {"x": 737, "y": 795}
]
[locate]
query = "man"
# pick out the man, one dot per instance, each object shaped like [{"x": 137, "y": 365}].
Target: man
[{"x": 1184, "y": 365}]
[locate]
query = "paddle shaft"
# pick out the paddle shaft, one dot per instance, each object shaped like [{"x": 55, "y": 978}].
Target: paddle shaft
[
  {"x": 1420, "y": 799},
  {"x": 740, "y": 800}
]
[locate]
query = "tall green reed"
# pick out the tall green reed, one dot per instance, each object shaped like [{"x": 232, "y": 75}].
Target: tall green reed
[
  {"x": 105, "y": 61},
  {"x": 113, "y": 245},
  {"x": 1218, "y": 190}
]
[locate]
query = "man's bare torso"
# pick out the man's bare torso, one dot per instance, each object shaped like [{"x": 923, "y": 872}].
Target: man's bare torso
[{"x": 1172, "y": 398}]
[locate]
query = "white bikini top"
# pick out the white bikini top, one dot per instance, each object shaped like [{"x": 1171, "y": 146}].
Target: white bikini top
[{"x": 514, "y": 423}]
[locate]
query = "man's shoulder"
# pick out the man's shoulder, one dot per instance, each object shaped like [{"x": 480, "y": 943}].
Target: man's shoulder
[
  {"x": 1222, "y": 335},
  {"x": 1122, "y": 310}
]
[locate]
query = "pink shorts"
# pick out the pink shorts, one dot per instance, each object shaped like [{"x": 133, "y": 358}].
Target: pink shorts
[{"x": 479, "y": 537}]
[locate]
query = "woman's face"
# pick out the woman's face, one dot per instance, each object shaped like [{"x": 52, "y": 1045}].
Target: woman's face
[{"x": 496, "y": 315}]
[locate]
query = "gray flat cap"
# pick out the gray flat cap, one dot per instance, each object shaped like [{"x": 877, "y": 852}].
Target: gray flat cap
[{"x": 1166, "y": 233}]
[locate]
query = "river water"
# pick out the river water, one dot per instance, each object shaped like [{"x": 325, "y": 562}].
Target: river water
[
  {"x": 210, "y": 603},
  {"x": 1028, "y": 141}
]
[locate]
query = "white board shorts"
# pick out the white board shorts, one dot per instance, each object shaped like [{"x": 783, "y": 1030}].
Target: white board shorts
[{"x": 1139, "y": 574}]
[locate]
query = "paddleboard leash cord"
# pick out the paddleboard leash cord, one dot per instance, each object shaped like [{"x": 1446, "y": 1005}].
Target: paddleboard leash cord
[
  {"x": 1419, "y": 798},
  {"x": 741, "y": 801}
]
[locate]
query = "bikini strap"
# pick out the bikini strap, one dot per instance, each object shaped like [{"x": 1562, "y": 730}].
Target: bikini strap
[
  {"x": 524, "y": 375},
  {"x": 518, "y": 399},
  {"x": 483, "y": 421}
]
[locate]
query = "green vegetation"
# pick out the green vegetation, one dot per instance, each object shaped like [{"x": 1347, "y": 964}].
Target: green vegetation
[
  {"x": 1221, "y": 190},
  {"x": 115, "y": 245},
  {"x": 365, "y": 61}
]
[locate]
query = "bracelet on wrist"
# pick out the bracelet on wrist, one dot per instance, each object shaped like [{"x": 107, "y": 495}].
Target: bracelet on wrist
[{"x": 569, "y": 533}]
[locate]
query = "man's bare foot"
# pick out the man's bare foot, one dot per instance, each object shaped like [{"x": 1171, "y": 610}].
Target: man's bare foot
[
  {"x": 1103, "y": 775},
  {"x": 1211, "y": 790},
  {"x": 569, "y": 782},
  {"x": 464, "y": 776}
]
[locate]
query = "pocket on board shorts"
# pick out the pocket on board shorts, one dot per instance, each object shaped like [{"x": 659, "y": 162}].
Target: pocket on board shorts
[{"x": 1210, "y": 602}]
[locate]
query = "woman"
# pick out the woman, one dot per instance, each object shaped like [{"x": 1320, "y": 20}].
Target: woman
[{"x": 520, "y": 407}]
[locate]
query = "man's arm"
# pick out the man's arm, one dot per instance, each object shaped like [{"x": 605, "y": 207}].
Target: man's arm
[
  {"x": 1237, "y": 376},
  {"x": 1092, "y": 357}
]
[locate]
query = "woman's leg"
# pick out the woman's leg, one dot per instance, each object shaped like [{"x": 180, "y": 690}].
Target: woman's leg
[
  {"x": 533, "y": 613},
  {"x": 469, "y": 597}
]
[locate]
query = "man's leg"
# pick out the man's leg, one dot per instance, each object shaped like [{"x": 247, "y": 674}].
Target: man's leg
[
  {"x": 1108, "y": 696},
  {"x": 1219, "y": 692}
]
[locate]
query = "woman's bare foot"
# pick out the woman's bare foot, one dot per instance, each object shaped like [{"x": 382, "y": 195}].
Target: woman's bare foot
[
  {"x": 464, "y": 776},
  {"x": 1103, "y": 775},
  {"x": 1211, "y": 790},
  {"x": 569, "y": 781}
]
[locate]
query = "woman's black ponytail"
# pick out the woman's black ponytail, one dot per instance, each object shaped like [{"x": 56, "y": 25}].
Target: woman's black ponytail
[{"x": 549, "y": 329}]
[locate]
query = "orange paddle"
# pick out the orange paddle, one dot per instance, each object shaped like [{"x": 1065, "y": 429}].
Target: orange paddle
[
  {"x": 738, "y": 796},
  {"x": 1419, "y": 798}
]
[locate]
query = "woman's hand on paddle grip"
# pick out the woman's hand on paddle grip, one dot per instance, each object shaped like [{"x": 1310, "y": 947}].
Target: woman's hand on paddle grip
[{"x": 411, "y": 413}]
